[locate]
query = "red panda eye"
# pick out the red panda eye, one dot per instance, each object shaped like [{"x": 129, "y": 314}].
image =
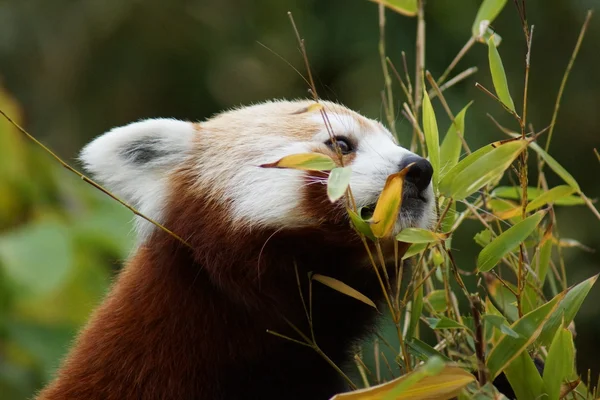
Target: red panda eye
[{"x": 342, "y": 143}]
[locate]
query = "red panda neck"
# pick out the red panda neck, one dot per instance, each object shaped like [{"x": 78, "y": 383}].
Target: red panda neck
[{"x": 171, "y": 329}]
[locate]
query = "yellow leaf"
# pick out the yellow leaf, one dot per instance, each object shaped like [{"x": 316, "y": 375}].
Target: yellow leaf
[
  {"x": 343, "y": 288},
  {"x": 388, "y": 205},
  {"x": 314, "y": 107},
  {"x": 445, "y": 385},
  {"x": 304, "y": 161}
]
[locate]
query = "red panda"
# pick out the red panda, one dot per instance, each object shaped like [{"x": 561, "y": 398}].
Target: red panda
[{"x": 191, "y": 323}]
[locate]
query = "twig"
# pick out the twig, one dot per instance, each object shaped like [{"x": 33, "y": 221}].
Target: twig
[
  {"x": 438, "y": 91},
  {"x": 493, "y": 96},
  {"x": 566, "y": 75},
  {"x": 91, "y": 182},
  {"x": 458, "y": 78},
  {"x": 456, "y": 59},
  {"x": 479, "y": 339},
  {"x": 389, "y": 110},
  {"x": 420, "y": 55}
]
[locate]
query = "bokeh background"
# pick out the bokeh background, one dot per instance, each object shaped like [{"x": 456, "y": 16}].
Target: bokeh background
[{"x": 70, "y": 70}]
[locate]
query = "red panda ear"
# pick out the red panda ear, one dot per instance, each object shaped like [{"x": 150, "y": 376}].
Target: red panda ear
[{"x": 134, "y": 161}]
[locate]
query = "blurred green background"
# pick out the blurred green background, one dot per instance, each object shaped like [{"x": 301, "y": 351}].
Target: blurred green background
[{"x": 72, "y": 69}]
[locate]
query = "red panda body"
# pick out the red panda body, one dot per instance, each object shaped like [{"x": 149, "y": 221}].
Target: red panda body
[{"x": 191, "y": 323}]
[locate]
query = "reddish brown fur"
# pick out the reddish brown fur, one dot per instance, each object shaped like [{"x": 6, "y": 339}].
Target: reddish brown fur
[{"x": 182, "y": 324}]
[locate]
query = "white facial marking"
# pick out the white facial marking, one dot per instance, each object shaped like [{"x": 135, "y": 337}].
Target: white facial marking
[
  {"x": 136, "y": 161},
  {"x": 133, "y": 162}
]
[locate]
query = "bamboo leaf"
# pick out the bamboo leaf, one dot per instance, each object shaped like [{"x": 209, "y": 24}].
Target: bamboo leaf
[
  {"x": 551, "y": 196},
  {"x": 434, "y": 380},
  {"x": 499, "y": 76},
  {"x": 452, "y": 144},
  {"x": 422, "y": 350},
  {"x": 514, "y": 193},
  {"x": 415, "y": 312},
  {"x": 488, "y": 11},
  {"x": 524, "y": 378},
  {"x": 559, "y": 363},
  {"x": 432, "y": 137},
  {"x": 436, "y": 299},
  {"x": 388, "y": 204},
  {"x": 418, "y": 235},
  {"x": 444, "y": 323},
  {"x": 556, "y": 167},
  {"x": 544, "y": 258},
  {"x": 528, "y": 328},
  {"x": 500, "y": 323},
  {"x": 304, "y": 161},
  {"x": 489, "y": 34},
  {"x": 506, "y": 242},
  {"x": 414, "y": 249},
  {"x": 404, "y": 7},
  {"x": 337, "y": 183},
  {"x": 343, "y": 288},
  {"x": 568, "y": 307},
  {"x": 480, "y": 168},
  {"x": 361, "y": 225}
]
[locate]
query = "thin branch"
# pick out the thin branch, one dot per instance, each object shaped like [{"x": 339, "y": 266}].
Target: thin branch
[
  {"x": 389, "y": 110},
  {"x": 91, "y": 182},
  {"x": 456, "y": 59},
  {"x": 448, "y": 111},
  {"x": 458, "y": 78},
  {"x": 420, "y": 54},
  {"x": 493, "y": 96},
  {"x": 563, "y": 83}
]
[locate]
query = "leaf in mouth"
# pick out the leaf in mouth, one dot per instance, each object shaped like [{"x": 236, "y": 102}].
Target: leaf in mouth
[{"x": 389, "y": 203}]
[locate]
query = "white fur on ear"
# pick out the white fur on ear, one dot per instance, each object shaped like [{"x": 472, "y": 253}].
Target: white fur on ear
[{"x": 134, "y": 161}]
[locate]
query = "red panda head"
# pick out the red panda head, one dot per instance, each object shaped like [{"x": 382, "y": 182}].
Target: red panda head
[{"x": 158, "y": 163}]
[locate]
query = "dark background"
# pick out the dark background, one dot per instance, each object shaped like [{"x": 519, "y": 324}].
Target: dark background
[{"x": 74, "y": 69}]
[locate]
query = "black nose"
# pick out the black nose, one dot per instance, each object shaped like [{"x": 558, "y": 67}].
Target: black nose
[{"x": 420, "y": 172}]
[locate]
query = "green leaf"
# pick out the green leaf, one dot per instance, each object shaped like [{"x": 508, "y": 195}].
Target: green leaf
[
  {"x": 433, "y": 380},
  {"x": 566, "y": 310},
  {"x": 528, "y": 328},
  {"x": 514, "y": 193},
  {"x": 559, "y": 363},
  {"x": 499, "y": 76},
  {"x": 444, "y": 323},
  {"x": 404, "y": 7},
  {"x": 437, "y": 300},
  {"x": 304, "y": 161},
  {"x": 452, "y": 144},
  {"x": 337, "y": 183},
  {"x": 38, "y": 257},
  {"x": 556, "y": 167},
  {"x": 361, "y": 225},
  {"x": 551, "y": 196},
  {"x": 415, "y": 312},
  {"x": 422, "y": 350},
  {"x": 414, "y": 249},
  {"x": 506, "y": 242},
  {"x": 500, "y": 323},
  {"x": 480, "y": 168},
  {"x": 544, "y": 259},
  {"x": 483, "y": 238},
  {"x": 418, "y": 235},
  {"x": 432, "y": 138},
  {"x": 524, "y": 378},
  {"x": 488, "y": 35},
  {"x": 488, "y": 11},
  {"x": 343, "y": 288}
]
